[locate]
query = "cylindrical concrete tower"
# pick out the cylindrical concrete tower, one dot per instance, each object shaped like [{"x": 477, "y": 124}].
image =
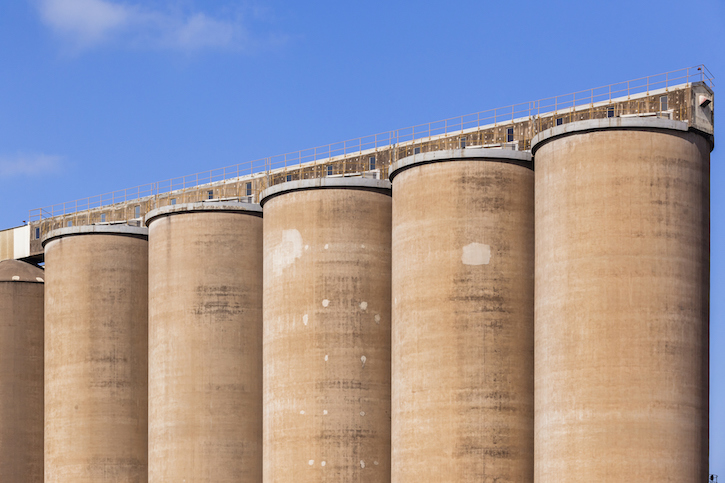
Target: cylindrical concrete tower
[
  {"x": 21, "y": 372},
  {"x": 205, "y": 343},
  {"x": 622, "y": 281},
  {"x": 463, "y": 302},
  {"x": 327, "y": 331},
  {"x": 96, "y": 354}
]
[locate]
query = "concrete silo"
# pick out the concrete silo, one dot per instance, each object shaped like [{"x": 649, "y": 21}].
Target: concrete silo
[
  {"x": 21, "y": 372},
  {"x": 205, "y": 343},
  {"x": 96, "y": 354},
  {"x": 327, "y": 331},
  {"x": 463, "y": 295},
  {"x": 622, "y": 282}
]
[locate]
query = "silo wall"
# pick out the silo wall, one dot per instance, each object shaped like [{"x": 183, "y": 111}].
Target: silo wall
[
  {"x": 96, "y": 355},
  {"x": 327, "y": 331},
  {"x": 462, "y": 338},
  {"x": 21, "y": 372},
  {"x": 205, "y": 343},
  {"x": 622, "y": 282}
]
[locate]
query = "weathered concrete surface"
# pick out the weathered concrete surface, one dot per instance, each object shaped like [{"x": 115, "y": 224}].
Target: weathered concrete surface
[
  {"x": 96, "y": 357},
  {"x": 205, "y": 344},
  {"x": 463, "y": 294},
  {"x": 622, "y": 281},
  {"x": 327, "y": 336},
  {"x": 21, "y": 372}
]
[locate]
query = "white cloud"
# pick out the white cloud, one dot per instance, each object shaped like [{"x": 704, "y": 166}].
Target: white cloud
[
  {"x": 202, "y": 31},
  {"x": 29, "y": 165},
  {"x": 86, "y": 21},
  {"x": 89, "y": 23}
]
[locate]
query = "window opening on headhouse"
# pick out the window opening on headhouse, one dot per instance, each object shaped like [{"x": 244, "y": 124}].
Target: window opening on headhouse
[
  {"x": 37, "y": 233},
  {"x": 663, "y": 103},
  {"x": 560, "y": 121},
  {"x": 510, "y": 135},
  {"x": 173, "y": 201},
  {"x": 289, "y": 177},
  {"x": 329, "y": 170},
  {"x": 210, "y": 194},
  {"x": 70, "y": 223},
  {"x": 371, "y": 162},
  {"x": 103, "y": 217},
  {"x": 416, "y": 150},
  {"x": 610, "y": 112},
  {"x": 249, "y": 189},
  {"x": 137, "y": 212}
]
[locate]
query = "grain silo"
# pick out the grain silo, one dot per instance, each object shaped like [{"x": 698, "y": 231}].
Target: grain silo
[
  {"x": 622, "y": 281},
  {"x": 462, "y": 339},
  {"x": 205, "y": 343},
  {"x": 96, "y": 354},
  {"x": 327, "y": 331},
  {"x": 21, "y": 372}
]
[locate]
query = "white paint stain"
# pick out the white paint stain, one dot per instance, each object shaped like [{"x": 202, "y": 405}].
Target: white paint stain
[
  {"x": 363, "y": 305},
  {"x": 15, "y": 277},
  {"x": 325, "y": 303},
  {"x": 375, "y": 463},
  {"x": 311, "y": 462},
  {"x": 324, "y": 412},
  {"x": 362, "y": 464},
  {"x": 363, "y": 359},
  {"x": 39, "y": 279},
  {"x": 476, "y": 254},
  {"x": 362, "y": 413},
  {"x": 362, "y": 246},
  {"x": 325, "y": 357},
  {"x": 287, "y": 251},
  {"x": 377, "y": 318},
  {"x": 307, "y": 247},
  {"x": 302, "y": 412},
  {"x": 327, "y": 246},
  {"x": 323, "y": 463},
  {"x": 305, "y": 319}
]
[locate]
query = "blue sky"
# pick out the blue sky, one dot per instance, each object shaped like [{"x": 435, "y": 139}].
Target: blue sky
[{"x": 101, "y": 95}]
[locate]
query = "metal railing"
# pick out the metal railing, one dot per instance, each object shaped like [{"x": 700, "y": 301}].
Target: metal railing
[{"x": 390, "y": 139}]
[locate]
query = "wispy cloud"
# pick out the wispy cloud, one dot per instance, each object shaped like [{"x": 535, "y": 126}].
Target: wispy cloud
[
  {"x": 29, "y": 165},
  {"x": 86, "y": 24}
]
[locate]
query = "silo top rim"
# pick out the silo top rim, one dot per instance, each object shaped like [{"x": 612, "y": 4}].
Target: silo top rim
[
  {"x": 357, "y": 183},
  {"x": 202, "y": 207},
  {"x": 608, "y": 123},
  {"x": 17, "y": 271},
  {"x": 468, "y": 154},
  {"x": 120, "y": 230}
]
